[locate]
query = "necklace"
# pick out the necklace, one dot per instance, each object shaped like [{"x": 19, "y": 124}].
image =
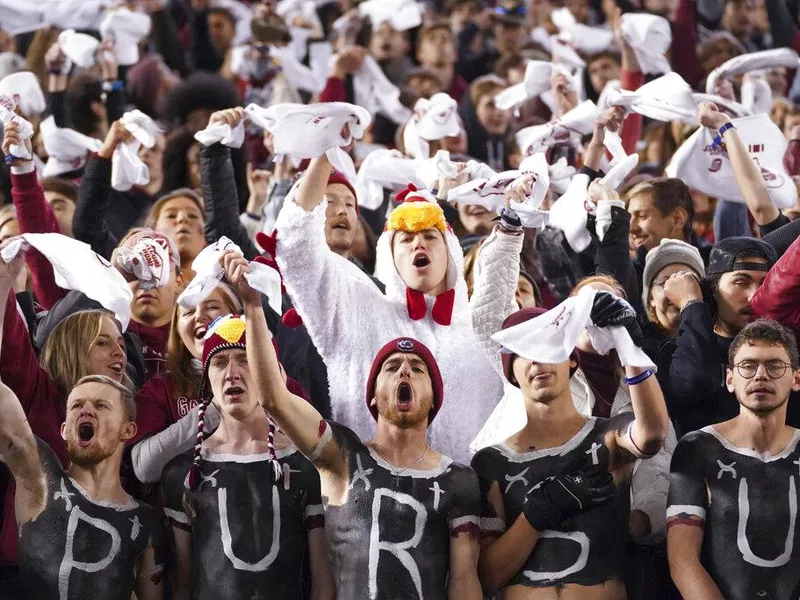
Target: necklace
[{"x": 397, "y": 474}]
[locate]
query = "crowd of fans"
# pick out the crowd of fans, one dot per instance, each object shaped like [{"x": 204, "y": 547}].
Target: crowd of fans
[{"x": 553, "y": 244}]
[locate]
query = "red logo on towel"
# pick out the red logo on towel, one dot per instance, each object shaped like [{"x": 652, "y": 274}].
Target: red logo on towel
[{"x": 716, "y": 165}]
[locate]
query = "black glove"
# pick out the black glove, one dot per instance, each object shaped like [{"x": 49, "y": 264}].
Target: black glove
[
  {"x": 567, "y": 494},
  {"x": 609, "y": 310}
]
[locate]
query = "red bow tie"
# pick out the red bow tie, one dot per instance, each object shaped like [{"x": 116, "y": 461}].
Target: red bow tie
[{"x": 442, "y": 312}]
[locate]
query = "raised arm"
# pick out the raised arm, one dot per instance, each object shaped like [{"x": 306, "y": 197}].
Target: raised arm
[
  {"x": 220, "y": 194},
  {"x": 34, "y": 215},
  {"x": 18, "y": 447},
  {"x": 745, "y": 170},
  {"x": 298, "y": 419},
  {"x": 647, "y": 433},
  {"x": 94, "y": 195}
]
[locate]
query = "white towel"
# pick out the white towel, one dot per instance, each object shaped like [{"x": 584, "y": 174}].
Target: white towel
[
  {"x": 756, "y": 92},
  {"x": 299, "y": 76},
  {"x": 568, "y": 213},
  {"x": 650, "y": 37},
  {"x": 374, "y": 91},
  {"x": 233, "y": 137},
  {"x": 622, "y": 164},
  {"x": 584, "y": 38},
  {"x": 560, "y": 175},
  {"x": 80, "y": 48},
  {"x": 66, "y": 148},
  {"x": 389, "y": 169},
  {"x": 734, "y": 109},
  {"x": 7, "y": 115},
  {"x": 400, "y": 14},
  {"x": 535, "y": 83},
  {"x": 209, "y": 272},
  {"x": 77, "y": 267},
  {"x": 433, "y": 120},
  {"x": 148, "y": 260},
  {"x": 753, "y": 61},
  {"x": 668, "y": 98},
  {"x": 491, "y": 192},
  {"x": 127, "y": 169},
  {"x": 564, "y": 52},
  {"x": 568, "y": 128},
  {"x": 24, "y": 89},
  {"x": 708, "y": 169},
  {"x": 127, "y": 29},
  {"x": 551, "y": 338},
  {"x": 308, "y": 130}
]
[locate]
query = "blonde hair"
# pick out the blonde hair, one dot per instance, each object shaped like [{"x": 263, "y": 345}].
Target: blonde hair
[
  {"x": 65, "y": 355},
  {"x": 186, "y": 380},
  {"x": 470, "y": 260},
  {"x": 604, "y": 279}
]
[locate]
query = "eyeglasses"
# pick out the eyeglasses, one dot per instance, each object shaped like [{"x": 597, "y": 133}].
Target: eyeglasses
[{"x": 775, "y": 368}]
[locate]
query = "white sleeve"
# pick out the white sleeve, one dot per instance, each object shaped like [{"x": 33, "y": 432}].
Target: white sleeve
[
  {"x": 650, "y": 486},
  {"x": 152, "y": 454},
  {"x": 494, "y": 289},
  {"x": 335, "y": 299}
]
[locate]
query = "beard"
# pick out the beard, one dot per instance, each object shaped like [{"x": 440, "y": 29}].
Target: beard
[
  {"x": 87, "y": 457},
  {"x": 404, "y": 419},
  {"x": 766, "y": 406}
]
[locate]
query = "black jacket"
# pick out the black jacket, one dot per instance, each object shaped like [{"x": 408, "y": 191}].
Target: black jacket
[{"x": 102, "y": 214}]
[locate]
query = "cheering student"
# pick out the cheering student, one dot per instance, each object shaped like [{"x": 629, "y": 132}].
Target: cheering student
[
  {"x": 401, "y": 518},
  {"x": 539, "y": 487},
  {"x": 81, "y": 535},
  {"x": 251, "y": 498},
  {"x": 740, "y": 545}
]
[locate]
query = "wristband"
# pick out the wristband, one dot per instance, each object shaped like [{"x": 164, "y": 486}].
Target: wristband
[
  {"x": 115, "y": 86},
  {"x": 720, "y": 132},
  {"x": 253, "y": 216},
  {"x": 637, "y": 379}
]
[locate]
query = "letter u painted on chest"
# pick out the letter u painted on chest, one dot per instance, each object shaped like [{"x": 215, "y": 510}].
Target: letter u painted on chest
[
  {"x": 227, "y": 541},
  {"x": 741, "y": 531}
]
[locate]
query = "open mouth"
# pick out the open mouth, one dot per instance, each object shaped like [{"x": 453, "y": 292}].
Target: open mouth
[
  {"x": 116, "y": 367},
  {"x": 340, "y": 223},
  {"x": 234, "y": 392},
  {"x": 200, "y": 333},
  {"x": 404, "y": 396},
  {"x": 421, "y": 261},
  {"x": 85, "y": 434}
]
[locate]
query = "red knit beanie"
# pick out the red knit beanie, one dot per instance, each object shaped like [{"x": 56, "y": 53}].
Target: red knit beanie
[
  {"x": 339, "y": 177},
  {"x": 408, "y": 346},
  {"x": 522, "y": 315}
]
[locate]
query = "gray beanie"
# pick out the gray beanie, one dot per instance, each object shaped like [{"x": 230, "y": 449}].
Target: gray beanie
[{"x": 669, "y": 252}]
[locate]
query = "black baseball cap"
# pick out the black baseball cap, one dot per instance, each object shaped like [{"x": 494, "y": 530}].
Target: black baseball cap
[
  {"x": 510, "y": 12},
  {"x": 731, "y": 254}
]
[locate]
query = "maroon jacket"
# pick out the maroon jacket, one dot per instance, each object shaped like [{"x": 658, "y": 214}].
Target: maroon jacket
[
  {"x": 35, "y": 216},
  {"x": 42, "y": 400},
  {"x": 778, "y": 294}
]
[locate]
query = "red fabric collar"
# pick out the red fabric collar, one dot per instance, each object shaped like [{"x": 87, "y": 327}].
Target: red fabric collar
[{"x": 442, "y": 312}]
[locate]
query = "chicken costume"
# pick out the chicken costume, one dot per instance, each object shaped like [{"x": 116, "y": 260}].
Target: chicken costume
[{"x": 349, "y": 320}]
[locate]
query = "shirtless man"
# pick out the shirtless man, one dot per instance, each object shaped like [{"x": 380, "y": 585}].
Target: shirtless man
[
  {"x": 82, "y": 537},
  {"x": 254, "y": 511},
  {"x": 723, "y": 549},
  {"x": 540, "y": 537},
  {"x": 401, "y": 519}
]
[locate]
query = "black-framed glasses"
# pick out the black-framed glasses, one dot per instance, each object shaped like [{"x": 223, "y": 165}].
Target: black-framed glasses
[{"x": 775, "y": 368}]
